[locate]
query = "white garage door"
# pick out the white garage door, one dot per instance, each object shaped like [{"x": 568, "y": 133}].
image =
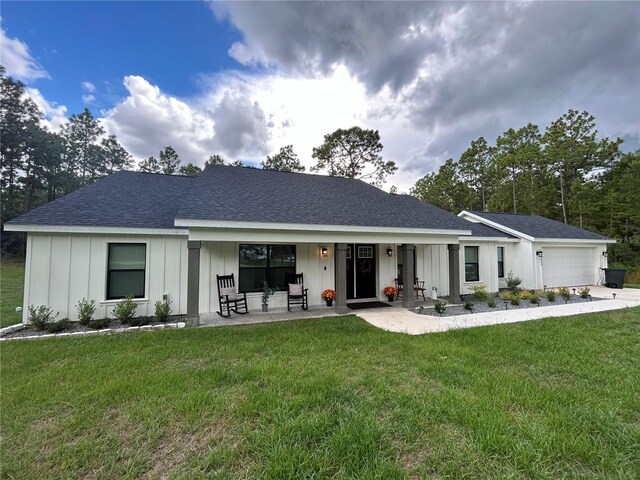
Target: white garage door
[{"x": 567, "y": 267}]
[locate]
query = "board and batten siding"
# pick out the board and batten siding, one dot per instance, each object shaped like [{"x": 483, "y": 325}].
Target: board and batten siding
[{"x": 63, "y": 269}]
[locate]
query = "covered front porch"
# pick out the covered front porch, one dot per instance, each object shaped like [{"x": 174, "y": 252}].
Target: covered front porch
[{"x": 357, "y": 265}]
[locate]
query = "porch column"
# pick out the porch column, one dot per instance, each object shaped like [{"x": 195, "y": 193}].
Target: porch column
[
  {"x": 193, "y": 283},
  {"x": 454, "y": 272},
  {"x": 408, "y": 295},
  {"x": 341, "y": 278}
]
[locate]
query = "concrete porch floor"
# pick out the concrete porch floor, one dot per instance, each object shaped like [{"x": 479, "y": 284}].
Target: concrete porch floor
[{"x": 398, "y": 319}]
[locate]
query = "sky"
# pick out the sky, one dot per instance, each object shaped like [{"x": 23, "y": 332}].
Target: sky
[{"x": 242, "y": 79}]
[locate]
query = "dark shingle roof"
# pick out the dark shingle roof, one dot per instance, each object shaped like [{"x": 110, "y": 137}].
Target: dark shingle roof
[
  {"x": 124, "y": 199},
  {"x": 539, "y": 227},
  {"x": 482, "y": 230},
  {"x": 135, "y": 199},
  {"x": 226, "y": 193}
]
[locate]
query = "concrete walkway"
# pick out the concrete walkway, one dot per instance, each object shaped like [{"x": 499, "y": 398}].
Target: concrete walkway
[
  {"x": 397, "y": 319},
  {"x": 405, "y": 321}
]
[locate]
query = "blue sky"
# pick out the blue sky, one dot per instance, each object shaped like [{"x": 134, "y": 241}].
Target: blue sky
[
  {"x": 168, "y": 43},
  {"x": 242, "y": 79}
]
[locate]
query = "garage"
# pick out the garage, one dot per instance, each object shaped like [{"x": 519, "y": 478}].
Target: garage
[{"x": 568, "y": 266}]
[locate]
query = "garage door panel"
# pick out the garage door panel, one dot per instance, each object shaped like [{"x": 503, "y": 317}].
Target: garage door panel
[{"x": 567, "y": 266}]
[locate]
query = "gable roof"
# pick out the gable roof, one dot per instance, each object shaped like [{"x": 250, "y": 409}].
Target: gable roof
[
  {"x": 537, "y": 227},
  {"x": 482, "y": 230},
  {"x": 225, "y": 193},
  {"x": 123, "y": 199}
]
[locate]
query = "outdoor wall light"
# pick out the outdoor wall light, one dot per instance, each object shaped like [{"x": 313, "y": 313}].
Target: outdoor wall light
[
  {"x": 324, "y": 251},
  {"x": 605, "y": 254},
  {"x": 539, "y": 253},
  {"x": 389, "y": 252}
]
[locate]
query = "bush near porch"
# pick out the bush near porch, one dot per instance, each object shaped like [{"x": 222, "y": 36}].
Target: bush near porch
[{"x": 327, "y": 398}]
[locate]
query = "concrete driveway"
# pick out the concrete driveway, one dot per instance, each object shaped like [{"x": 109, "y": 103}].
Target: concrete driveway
[{"x": 405, "y": 321}]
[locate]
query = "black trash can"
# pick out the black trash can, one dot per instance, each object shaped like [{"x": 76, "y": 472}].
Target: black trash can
[{"x": 614, "y": 277}]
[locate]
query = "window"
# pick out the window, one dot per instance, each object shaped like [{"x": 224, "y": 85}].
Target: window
[
  {"x": 260, "y": 263},
  {"x": 365, "y": 252},
  {"x": 500, "y": 262},
  {"x": 126, "y": 270},
  {"x": 471, "y": 272}
]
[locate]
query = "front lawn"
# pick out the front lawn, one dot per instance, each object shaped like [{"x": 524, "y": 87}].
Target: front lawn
[
  {"x": 328, "y": 398},
  {"x": 11, "y": 291}
]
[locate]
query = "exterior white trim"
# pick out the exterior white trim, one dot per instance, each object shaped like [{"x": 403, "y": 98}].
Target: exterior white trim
[
  {"x": 489, "y": 239},
  {"x": 69, "y": 229},
  {"x": 228, "y": 224},
  {"x": 574, "y": 240},
  {"x": 497, "y": 226}
]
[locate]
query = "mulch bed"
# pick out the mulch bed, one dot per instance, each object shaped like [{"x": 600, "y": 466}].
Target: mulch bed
[{"x": 76, "y": 327}]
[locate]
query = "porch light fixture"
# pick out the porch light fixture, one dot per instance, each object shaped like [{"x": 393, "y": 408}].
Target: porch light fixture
[
  {"x": 605, "y": 254},
  {"x": 324, "y": 252},
  {"x": 539, "y": 253},
  {"x": 389, "y": 252}
]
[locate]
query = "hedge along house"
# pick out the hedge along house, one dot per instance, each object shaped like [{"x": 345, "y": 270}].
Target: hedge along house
[
  {"x": 541, "y": 251},
  {"x": 158, "y": 236}
]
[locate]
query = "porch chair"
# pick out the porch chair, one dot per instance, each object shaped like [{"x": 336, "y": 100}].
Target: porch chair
[
  {"x": 418, "y": 288},
  {"x": 399, "y": 288},
  {"x": 296, "y": 293},
  {"x": 229, "y": 298}
]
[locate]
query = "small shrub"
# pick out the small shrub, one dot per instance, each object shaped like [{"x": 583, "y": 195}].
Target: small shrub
[
  {"x": 163, "y": 309},
  {"x": 564, "y": 293},
  {"x": 59, "y": 326},
  {"x": 479, "y": 291},
  {"x": 515, "y": 300},
  {"x": 534, "y": 298},
  {"x": 125, "y": 309},
  {"x": 41, "y": 316},
  {"x": 584, "y": 292},
  {"x": 86, "y": 310},
  {"x": 551, "y": 295},
  {"x": 468, "y": 306},
  {"x": 513, "y": 281},
  {"x": 506, "y": 296},
  {"x": 99, "y": 323},
  {"x": 491, "y": 302},
  {"x": 525, "y": 294},
  {"x": 440, "y": 306}
]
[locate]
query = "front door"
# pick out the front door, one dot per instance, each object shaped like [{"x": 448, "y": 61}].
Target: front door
[{"x": 361, "y": 271}]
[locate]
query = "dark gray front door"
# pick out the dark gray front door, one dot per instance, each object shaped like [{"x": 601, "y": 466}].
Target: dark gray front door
[{"x": 361, "y": 271}]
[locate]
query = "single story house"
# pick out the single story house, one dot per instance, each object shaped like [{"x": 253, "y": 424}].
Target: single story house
[
  {"x": 541, "y": 251},
  {"x": 163, "y": 236}
]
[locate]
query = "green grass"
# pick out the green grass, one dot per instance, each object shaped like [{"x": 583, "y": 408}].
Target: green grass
[
  {"x": 632, "y": 285},
  {"x": 330, "y": 398},
  {"x": 11, "y": 291}
]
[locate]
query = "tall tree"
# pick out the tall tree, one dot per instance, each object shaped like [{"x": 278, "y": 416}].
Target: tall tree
[
  {"x": 444, "y": 189},
  {"x": 215, "y": 160},
  {"x": 149, "y": 165},
  {"x": 572, "y": 151},
  {"x": 285, "y": 161},
  {"x": 169, "y": 161},
  {"x": 190, "y": 170},
  {"x": 475, "y": 166},
  {"x": 353, "y": 153},
  {"x": 115, "y": 157},
  {"x": 81, "y": 135}
]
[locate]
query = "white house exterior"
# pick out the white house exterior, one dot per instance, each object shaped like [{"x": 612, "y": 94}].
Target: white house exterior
[
  {"x": 162, "y": 236},
  {"x": 541, "y": 251}
]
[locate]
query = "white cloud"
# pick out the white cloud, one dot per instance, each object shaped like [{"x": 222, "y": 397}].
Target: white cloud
[
  {"x": 89, "y": 87},
  {"x": 54, "y": 115},
  {"x": 88, "y": 99},
  {"x": 16, "y": 58}
]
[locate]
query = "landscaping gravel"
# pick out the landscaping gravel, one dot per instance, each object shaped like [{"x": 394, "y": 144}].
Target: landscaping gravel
[
  {"x": 482, "y": 306},
  {"x": 75, "y": 327}
]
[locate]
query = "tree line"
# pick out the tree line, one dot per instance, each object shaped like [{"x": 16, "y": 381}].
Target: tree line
[{"x": 565, "y": 173}]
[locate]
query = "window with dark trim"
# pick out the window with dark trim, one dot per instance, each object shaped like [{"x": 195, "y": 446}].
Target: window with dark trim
[
  {"x": 500, "y": 262},
  {"x": 471, "y": 270},
  {"x": 126, "y": 270},
  {"x": 260, "y": 263}
]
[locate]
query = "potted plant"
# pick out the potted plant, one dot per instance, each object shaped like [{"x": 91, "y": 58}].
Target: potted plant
[
  {"x": 328, "y": 296},
  {"x": 390, "y": 292},
  {"x": 266, "y": 293}
]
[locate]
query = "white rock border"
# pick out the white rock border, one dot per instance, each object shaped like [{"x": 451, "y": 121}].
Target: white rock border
[{"x": 106, "y": 331}]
